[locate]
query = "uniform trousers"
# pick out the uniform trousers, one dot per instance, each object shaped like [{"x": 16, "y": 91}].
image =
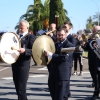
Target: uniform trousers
[
  {"x": 93, "y": 69},
  {"x": 20, "y": 77},
  {"x": 78, "y": 57},
  {"x": 69, "y": 82},
  {"x": 58, "y": 89}
]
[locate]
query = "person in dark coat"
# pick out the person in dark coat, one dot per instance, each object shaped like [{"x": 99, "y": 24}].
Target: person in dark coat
[
  {"x": 59, "y": 74},
  {"x": 20, "y": 69},
  {"x": 96, "y": 71},
  {"x": 91, "y": 60},
  {"x": 68, "y": 26},
  {"x": 53, "y": 37},
  {"x": 78, "y": 55}
]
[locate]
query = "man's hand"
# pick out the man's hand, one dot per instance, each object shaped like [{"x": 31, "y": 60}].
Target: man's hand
[
  {"x": 94, "y": 44},
  {"x": 48, "y": 54},
  {"x": 21, "y": 50},
  {"x": 83, "y": 43},
  {"x": 45, "y": 53},
  {"x": 50, "y": 34}
]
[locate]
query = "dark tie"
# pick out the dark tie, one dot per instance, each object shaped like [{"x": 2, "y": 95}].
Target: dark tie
[
  {"x": 21, "y": 35},
  {"x": 59, "y": 47},
  {"x": 59, "y": 44}
]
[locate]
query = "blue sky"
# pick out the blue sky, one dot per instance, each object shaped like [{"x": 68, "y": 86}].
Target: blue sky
[{"x": 78, "y": 11}]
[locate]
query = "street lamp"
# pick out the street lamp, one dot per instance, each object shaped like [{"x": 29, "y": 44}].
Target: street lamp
[
  {"x": 98, "y": 10},
  {"x": 77, "y": 21}
]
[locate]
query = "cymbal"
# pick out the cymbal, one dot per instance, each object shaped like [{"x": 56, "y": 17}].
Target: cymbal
[{"x": 42, "y": 43}]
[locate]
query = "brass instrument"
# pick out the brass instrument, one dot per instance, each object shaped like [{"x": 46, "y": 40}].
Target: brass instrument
[
  {"x": 95, "y": 49},
  {"x": 41, "y": 32},
  {"x": 91, "y": 36},
  {"x": 47, "y": 33},
  {"x": 86, "y": 37},
  {"x": 96, "y": 40}
]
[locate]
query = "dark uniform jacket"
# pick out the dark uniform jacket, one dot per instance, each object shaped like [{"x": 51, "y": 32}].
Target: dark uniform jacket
[
  {"x": 24, "y": 58},
  {"x": 61, "y": 62},
  {"x": 91, "y": 54},
  {"x": 78, "y": 47},
  {"x": 71, "y": 39}
]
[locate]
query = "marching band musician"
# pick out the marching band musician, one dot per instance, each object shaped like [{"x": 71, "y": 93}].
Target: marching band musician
[
  {"x": 52, "y": 34},
  {"x": 68, "y": 26},
  {"x": 97, "y": 68},
  {"x": 59, "y": 74},
  {"x": 20, "y": 69},
  {"x": 91, "y": 59}
]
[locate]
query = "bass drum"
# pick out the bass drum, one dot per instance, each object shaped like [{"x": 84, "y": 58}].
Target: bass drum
[{"x": 9, "y": 40}]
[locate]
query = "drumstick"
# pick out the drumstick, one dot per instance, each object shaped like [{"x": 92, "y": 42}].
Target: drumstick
[{"x": 12, "y": 48}]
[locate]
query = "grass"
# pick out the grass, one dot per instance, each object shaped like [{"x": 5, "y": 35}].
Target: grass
[{"x": 85, "y": 54}]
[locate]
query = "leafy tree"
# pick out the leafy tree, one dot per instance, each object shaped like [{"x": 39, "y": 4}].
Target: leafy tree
[
  {"x": 95, "y": 18},
  {"x": 56, "y": 8},
  {"x": 36, "y": 14},
  {"x": 90, "y": 23}
]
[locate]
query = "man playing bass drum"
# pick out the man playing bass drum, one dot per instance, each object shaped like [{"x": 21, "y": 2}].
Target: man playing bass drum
[{"x": 20, "y": 69}]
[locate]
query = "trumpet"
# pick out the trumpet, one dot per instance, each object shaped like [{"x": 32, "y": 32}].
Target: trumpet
[
  {"x": 85, "y": 38},
  {"x": 47, "y": 33}
]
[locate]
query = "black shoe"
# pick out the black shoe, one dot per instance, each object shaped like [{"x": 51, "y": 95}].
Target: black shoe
[
  {"x": 92, "y": 85},
  {"x": 69, "y": 95},
  {"x": 94, "y": 97},
  {"x": 47, "y": 90},
  {"x": 34, "y": 65}
]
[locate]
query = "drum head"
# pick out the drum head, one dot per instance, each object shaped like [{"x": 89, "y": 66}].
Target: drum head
[{"x": 9, "y": 40}]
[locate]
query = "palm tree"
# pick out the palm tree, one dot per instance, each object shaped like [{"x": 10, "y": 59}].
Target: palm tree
[
  {"x": 90, "y": 23},
  {"x": 36, "y": 13}
]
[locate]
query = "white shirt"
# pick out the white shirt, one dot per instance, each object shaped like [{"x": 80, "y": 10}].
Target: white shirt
[
  {"x": 50, "y": 53},
  {"x": 23, "y": 34},
  {"x": 68, "y": 34}
]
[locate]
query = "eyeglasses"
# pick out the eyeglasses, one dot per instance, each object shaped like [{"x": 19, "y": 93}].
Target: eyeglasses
[{"x": 60, "y": 34}]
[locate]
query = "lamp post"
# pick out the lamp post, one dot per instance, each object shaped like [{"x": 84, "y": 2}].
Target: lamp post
[
  {"x": 77, "y": 21},
  {"x": 98, "y": 10}
]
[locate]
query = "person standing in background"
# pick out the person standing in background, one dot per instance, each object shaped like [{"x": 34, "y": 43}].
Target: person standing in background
[{"x": 78, "y": 55}]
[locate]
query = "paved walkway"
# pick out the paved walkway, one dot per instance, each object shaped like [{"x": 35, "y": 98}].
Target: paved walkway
[{"x": 37, "y": 84}]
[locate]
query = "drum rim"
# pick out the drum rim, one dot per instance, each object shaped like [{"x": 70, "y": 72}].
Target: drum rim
[{"x": 19, "y": 47}]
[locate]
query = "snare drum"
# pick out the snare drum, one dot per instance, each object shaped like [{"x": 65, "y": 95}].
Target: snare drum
[{"x": 9, "y": 40}]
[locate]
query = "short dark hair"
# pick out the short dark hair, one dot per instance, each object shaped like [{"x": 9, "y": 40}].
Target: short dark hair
[
  {"x": 60, "y": 28},
  {"x": 69, "y": 23}
]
